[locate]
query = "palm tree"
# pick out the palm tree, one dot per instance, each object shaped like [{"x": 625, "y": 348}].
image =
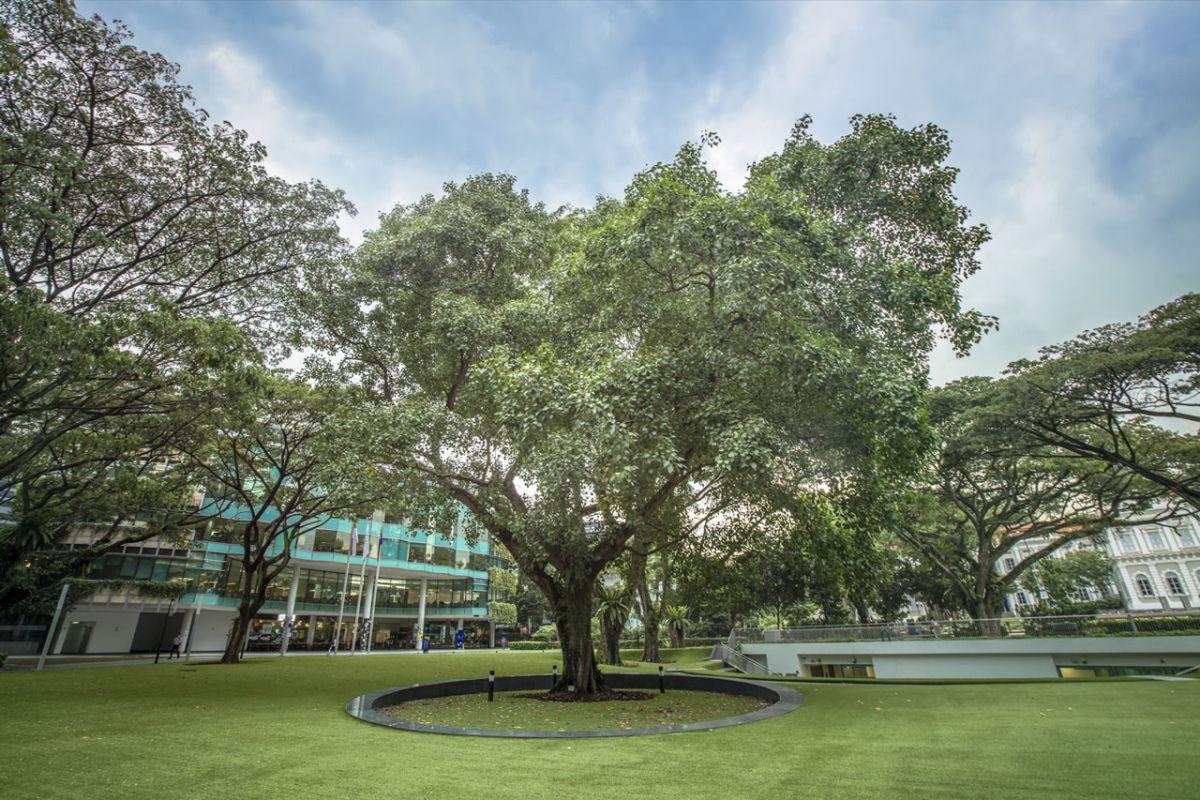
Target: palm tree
[
  {"x": 612, "y": 607},
  {"x": 676, "y": 617}
]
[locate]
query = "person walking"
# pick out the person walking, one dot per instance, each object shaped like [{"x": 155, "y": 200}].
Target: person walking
[{"x": 176, "y": 643}]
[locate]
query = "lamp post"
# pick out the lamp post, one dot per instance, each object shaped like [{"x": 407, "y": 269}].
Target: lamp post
[{"x": 337, "y": 627}]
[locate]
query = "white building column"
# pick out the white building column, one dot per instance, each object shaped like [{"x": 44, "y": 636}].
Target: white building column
[
  {"x": 368, "y": 606},
  {"x": 421, "y": 613},
  {"x": 194, "y": 622},
  {"x": 289, "y": 617},
  {"x": 185, "y": 632}
]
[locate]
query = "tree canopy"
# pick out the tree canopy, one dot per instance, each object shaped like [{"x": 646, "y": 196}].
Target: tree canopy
[
  {"x": 1126, "y": 394},
  {"x": 148, "y": 256}
]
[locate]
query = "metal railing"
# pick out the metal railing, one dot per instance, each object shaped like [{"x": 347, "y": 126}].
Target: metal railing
[
  {"x": 1182, "y": 623},
  {"x": 738, "y": 660}
]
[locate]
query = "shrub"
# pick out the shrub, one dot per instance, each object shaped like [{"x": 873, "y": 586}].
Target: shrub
[
  {"x": 3, "y": 658},
  {"x": 530, "y": 645}
]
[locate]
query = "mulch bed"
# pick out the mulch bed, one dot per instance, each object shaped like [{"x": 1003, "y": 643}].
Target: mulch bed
[{"x": 568, "y": 697}]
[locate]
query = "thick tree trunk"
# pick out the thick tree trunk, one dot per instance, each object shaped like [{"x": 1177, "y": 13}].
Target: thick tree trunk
[
  {"x": 986, "y": 613},
  {"x": 573, "y": 617}
]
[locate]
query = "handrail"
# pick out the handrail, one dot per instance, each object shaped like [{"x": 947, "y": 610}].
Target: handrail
[
  {"x": 1185, "y": 621},
  {"x": 739, "y": 660}
]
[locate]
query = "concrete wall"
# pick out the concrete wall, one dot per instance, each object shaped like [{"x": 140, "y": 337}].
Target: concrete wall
[
  {"x": 210, "y": 630},
  {"x": 113, "y": 632},
  {"x": 947, "y": 666},
  {"x": 981, "y": 658}
]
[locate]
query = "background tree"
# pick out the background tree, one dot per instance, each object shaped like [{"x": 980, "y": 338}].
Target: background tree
[
  {"x": 990, "y": 490},
  {"x": 612, "y": 609},
  {"x": 717, "y": 583},
  {"x": 573, "y": 379},
  {"x": 1064, "y": 579},
  {"x": 283, "y": 466},
  {"x": 676, "y": 618},
  {"x": 532, "y": 607},
  {"x": 1127, "y": 395},
  {"x": 140, "y": 248}
]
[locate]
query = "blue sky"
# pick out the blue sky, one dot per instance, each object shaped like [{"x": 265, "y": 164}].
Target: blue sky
[{"x": 1076, "y": 126}]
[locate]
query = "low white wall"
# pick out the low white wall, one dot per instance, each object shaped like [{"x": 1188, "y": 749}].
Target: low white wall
[
  {"x": 964, "y": 666},
  {"x": 975, "y": 658}
]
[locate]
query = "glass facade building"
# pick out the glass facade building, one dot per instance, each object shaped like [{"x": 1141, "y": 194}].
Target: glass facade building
[{"x": 390, "y": 582}]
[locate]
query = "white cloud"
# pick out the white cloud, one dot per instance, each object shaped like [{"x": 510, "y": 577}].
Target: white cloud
[
  {"x": 1034, "y": 100},
  {"x": 303, "y": 143}
]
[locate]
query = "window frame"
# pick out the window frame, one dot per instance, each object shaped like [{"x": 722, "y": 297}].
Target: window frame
[{"x": 1172, "y": 577}]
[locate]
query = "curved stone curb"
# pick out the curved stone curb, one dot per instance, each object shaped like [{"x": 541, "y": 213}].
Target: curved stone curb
[{"x": 782, "y": 698}]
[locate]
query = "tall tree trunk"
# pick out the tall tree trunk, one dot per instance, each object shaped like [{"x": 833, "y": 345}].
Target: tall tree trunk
[
  {"x": 649, "y": 612},
  {"x": 241, "y": 625},
  {"x": 610, "y": 642},
  {"x": 602, "y": 653},
  {"x": 247, "y": 609}
]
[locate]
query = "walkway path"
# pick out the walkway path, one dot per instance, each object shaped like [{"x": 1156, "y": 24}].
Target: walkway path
[{"x": 26, "y": 663}]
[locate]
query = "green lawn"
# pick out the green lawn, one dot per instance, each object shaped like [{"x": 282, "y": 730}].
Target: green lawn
[{"x": 276, "y": 729}]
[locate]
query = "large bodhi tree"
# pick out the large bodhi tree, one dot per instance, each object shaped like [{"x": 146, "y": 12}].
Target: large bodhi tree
[{"x": 581, "y": 378}]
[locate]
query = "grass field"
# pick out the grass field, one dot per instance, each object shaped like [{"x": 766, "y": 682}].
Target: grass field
[{"x": 276, "y": 728}]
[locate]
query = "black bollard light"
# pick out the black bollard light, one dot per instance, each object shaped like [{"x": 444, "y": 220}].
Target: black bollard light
[
  {"x": 554, "y": 679},
  {"x": 662, "y": 689},
  {"x": 491, "y": 685}
]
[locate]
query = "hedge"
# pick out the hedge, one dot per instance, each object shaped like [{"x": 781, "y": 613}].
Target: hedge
[
  {"x": 166, "y": 590},
  {"x": 531, "y": 645}
]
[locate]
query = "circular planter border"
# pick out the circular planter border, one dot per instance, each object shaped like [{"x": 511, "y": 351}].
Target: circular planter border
[{"x": 782, "y": 699}]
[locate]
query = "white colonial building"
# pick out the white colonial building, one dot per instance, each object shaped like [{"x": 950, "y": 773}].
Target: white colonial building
[{"x": 1156, "y": 566}]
